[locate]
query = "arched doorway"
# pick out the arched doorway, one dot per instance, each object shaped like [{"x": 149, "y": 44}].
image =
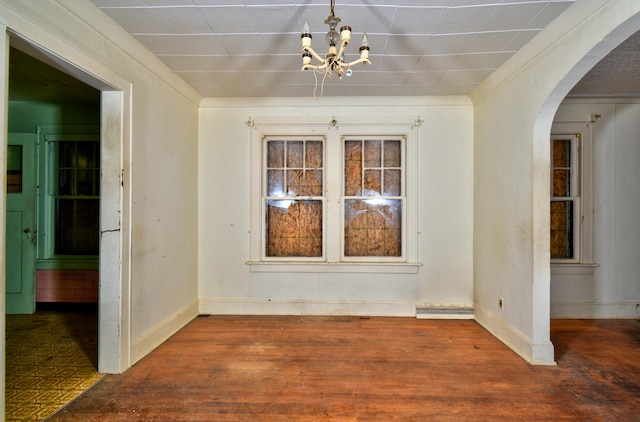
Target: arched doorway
[{"x": 514, "y": 111}]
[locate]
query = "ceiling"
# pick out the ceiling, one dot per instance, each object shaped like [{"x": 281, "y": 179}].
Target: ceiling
[
  {"x": 33, "y": 80},
  {"x": 241, "y": 48},
  {"x": 247, "y": 48}
]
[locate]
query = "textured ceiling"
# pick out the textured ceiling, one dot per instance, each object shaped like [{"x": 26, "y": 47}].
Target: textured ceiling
[
  {"x": 252, "y": 47},
  {"x": 616, "y": 75},
  {"x": 241, "y": 48}
]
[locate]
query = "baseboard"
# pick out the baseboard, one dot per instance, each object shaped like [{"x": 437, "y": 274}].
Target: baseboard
[
  {"x": 536, "y": 353},
  {"x": 305, "y": 307},
  {"x": 595, "y": 310},
  {"x": 443, "y": 312},
  {"x": 153, "y": 338}
]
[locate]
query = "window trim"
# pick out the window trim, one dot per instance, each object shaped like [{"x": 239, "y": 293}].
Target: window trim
[
  {"x": 265, "y": 197},
  {"x": 402, "y": 197},
  {"x": 45, "y": 256},
  {"x": 583, "y": 216},
  {"x": 332, "y": 244}
]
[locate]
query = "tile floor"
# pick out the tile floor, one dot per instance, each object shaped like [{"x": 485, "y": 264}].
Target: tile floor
[{"x": 51, "y": 358}]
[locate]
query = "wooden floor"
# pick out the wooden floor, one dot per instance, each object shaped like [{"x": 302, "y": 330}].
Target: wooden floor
[{"x": 371, "y": 369}]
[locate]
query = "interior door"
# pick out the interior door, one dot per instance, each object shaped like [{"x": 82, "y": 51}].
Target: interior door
[{"x": 20, "y": 224}]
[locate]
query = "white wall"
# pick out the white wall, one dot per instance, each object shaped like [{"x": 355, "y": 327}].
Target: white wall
[
  {"x": 226, "y": 284},
  {"x": 514, "y": 109},
  {"x": 612, "y": 289},
  {"x": 158, "y": 153}
]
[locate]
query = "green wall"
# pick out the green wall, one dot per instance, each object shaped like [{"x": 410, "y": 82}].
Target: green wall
[{"x": 25, "y": 116}]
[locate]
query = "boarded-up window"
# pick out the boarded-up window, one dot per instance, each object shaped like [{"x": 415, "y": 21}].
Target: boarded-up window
[
  {"x": 294, "y": 197},
  {"x": 373, "y": 196},
  {"x": 564, "y": 196}
]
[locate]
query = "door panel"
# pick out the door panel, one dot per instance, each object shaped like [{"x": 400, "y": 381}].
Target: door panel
[{"x": 20, "y": 224}]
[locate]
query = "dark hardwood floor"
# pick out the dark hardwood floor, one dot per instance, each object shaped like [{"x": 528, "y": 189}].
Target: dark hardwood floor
[{"x": 260, "y": 368}]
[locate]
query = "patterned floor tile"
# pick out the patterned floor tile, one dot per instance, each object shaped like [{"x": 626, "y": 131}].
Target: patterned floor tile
[{"x": 51, "y": 358}]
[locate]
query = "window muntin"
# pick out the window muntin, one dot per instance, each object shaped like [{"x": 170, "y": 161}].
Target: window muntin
[
  {"x": 294, "y": 197},
  {"x": 373, "y": 197}
]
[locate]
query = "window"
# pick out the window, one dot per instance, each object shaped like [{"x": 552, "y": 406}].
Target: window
[
  {"x": 332, "y": 201},
  {"x": 373, "y": 197},
  {"x": 75, "y": 195},
  {"x": 294, "y": 200},
  {"x": 571, "y": 194},
  {"x": 69, "y": 198}
]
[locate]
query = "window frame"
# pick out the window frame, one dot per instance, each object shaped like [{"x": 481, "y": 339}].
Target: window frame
[
  {"x": 581, "y": 138},
  {"x": 402, "y": 197},
  {"x": 266, "y": 197},
  {"x": 46, "y": 257},
  {"x": 333, "y": 224}
]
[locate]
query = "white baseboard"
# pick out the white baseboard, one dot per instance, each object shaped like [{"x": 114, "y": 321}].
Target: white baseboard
[
  {"x": 305, "y": 307},
  {"x": 595, "y": 310},
  {"x": 536, "y": 353},
  {"x": 153, "y": 338}
]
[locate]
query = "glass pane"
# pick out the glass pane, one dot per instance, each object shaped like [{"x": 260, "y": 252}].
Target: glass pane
[
  {"x": 561, "y": 155},
  {"x": 373, "y": 227},
  {"x": 86, "y": 182},
  {"x": 294, "y": 154},
  {"x": 294, "y": 180},
  {"x": 313, "y": 156},
  {"x": 392, "y": 155},
  {"x": 14, "y": 168},
  {"x": 372, "y": 183},
  {"x": 294, "y": 228},
  {"x": 352, "y": 168},
  {"x": 372, "y": 153},
  {"x": 275, "y": 182},
  {"x": 392, "y": 183},
  {"x": 311, "y": 183},
  {"x": 561, "y": 183},
  {"x": 66, "y": 182},
  {"x": 275, "y": 154},
  {"x": 67, "y": 154},
  {"x": 77, "y": 227},
  {"x": 562, "y": 229},
  {"x": 86, "y": 158}
]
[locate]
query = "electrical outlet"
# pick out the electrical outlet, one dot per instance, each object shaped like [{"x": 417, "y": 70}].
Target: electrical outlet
[{"x": 501, "y": 303}]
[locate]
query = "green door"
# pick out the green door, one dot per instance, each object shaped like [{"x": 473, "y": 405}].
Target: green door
[{"x": 20, "y": 224}]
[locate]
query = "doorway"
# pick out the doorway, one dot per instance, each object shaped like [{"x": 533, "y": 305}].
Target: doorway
[
  {"x": 114, "y": 104},
  {"x": 52, "y": 235}
]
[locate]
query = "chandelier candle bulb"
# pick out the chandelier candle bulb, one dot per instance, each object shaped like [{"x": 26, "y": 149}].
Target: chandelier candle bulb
[
  {"x": 306, "y": 35},
  {"x": 345, "y": 34},
  {"x": 364, "y": 47}
]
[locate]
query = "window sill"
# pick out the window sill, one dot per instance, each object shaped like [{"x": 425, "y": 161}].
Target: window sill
[
  {"x": 338, "y": 267},
  {"x": 573, "y": 269}
]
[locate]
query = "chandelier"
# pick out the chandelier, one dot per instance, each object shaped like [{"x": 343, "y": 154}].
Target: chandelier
[{"x": 333, "y": 64}]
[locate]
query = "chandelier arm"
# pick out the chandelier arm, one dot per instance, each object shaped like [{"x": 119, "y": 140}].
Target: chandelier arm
[
  {"x": 316, "y": 67},
  {"x": 314, "y": 54},
  {"x": 343, "y": 46},
  {"x": 357, "y": 62}
]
